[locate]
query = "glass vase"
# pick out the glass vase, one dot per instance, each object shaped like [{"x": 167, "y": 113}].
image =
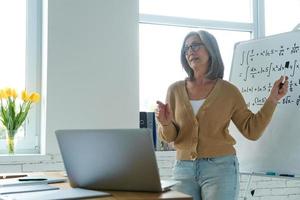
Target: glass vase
[{"x": 10, "y": 141}]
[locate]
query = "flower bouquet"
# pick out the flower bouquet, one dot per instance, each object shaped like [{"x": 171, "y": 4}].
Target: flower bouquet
[{"x": 13, "y": 112}]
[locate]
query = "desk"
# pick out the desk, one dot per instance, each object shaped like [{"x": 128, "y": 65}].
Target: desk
[{"x": 118, "y": 195}]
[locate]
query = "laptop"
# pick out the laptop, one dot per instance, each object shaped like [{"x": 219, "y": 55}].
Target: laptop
[{"x": 111, "y": 159}]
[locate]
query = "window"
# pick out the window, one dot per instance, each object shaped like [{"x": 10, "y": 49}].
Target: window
[
  {"x": 281, "y": 16},
  {"x": 20, "y": 63},
  {"x": 200, "y": 9},
  {"x": 163, "y": 28}
]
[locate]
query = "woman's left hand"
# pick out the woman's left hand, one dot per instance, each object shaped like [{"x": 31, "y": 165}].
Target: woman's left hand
[{"x": 279, "y": 90}]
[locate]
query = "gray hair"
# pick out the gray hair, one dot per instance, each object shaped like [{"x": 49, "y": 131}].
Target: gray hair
[{"x": 216, "y": 67}]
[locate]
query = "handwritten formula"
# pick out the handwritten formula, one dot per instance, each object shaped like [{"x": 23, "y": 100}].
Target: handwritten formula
[{"x": 258, "y": 63}]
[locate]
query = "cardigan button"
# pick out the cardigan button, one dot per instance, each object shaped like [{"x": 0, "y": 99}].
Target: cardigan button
[{"x": 194, "y": 155}]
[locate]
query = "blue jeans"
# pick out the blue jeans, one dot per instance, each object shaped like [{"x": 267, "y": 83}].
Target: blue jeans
[{"x": 208, "y": 178}]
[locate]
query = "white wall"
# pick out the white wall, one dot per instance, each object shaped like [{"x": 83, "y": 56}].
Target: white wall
[{"x": 92, "y": 66}]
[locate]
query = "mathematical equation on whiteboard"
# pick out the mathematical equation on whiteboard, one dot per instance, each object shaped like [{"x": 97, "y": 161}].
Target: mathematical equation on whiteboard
[
  {"x": 262, "y": 64},
  {"x": 253, "y": 72},
  {"x": 290, "y": 98}
]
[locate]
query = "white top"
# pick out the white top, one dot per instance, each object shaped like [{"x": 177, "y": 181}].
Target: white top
[{"x": 196, "y": 104}]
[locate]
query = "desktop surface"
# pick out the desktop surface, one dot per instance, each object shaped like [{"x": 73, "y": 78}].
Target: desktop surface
[{"x": 121, "y": 195}]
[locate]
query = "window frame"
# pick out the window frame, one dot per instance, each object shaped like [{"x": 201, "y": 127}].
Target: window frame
[{"x": 257, "y": 27}]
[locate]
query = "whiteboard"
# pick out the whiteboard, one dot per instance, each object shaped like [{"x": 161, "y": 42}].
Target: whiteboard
[{"x": 256, "y": 65}]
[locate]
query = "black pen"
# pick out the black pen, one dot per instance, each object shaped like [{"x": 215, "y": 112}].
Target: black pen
[
  {"x": 287, "y": 175},
  {"x": 32, "y": 179},
  {"x": 286, "y": 66}
]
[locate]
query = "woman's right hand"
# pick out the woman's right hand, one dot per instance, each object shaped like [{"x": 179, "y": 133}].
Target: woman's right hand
[{"x": 163, "y": 113}]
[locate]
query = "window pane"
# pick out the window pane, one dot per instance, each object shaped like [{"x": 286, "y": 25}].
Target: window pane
[
  {"x": 281, "y": 15},
  {"x": 200, "y": 9},
  {"x": 160, "y": 58},
  {"x": 13, "y": 43}
]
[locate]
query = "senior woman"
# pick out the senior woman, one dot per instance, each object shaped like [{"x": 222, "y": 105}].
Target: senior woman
[{"x": 196, "y": 117}]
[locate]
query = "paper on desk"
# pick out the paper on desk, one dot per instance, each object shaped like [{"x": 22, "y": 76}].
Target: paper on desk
[
  {"x": 73, "y": 193},
  {"x": 26, "y": 188}
]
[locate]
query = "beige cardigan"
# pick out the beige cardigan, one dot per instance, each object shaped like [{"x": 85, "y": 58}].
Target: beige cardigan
[{"x": 206, "y": 134}]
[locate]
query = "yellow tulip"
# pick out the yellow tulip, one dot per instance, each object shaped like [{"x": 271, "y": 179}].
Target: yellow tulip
[
  {"x": 34, "y": 97},
  {"x": 3, "y": 94},
  {"x": 8, "y": 92},
  {"x": 14, "y": 93},
  {"x": 25, "y": 96}
]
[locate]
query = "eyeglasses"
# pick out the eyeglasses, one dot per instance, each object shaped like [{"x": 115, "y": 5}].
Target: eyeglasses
[{"x": 194, "y": 47}]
